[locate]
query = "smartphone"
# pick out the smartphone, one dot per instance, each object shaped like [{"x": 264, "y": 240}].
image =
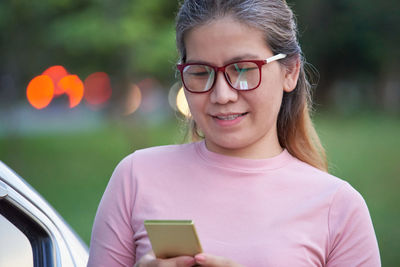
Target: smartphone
[{"x": 172, "y": 238}]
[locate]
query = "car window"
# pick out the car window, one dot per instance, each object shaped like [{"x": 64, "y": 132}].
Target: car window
[{"x": 16, "y": 249}]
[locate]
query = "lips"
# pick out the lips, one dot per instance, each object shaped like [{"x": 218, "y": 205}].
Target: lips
[{"x": 229, "y": 117}]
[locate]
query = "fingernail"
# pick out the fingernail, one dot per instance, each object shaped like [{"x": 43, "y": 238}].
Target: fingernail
[
  {"x": 190, "y": 261},
  {"x": 200, "y": 258}
]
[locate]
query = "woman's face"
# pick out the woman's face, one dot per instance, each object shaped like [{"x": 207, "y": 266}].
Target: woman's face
[{"x": 237, "y": 123}]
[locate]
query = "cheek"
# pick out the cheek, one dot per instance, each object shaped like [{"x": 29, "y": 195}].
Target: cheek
[
  {"x": 267, "y": 106},
  {"x": 271, "y": 92},
  {"x": 269, "y": 99},
  {"x": 196, "y": 104}
]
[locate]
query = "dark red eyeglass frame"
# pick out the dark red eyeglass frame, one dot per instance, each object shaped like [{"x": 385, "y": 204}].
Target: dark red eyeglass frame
[{"x": 259, "y": 64}]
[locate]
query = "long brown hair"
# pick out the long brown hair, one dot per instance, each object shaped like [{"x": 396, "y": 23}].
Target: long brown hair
[{"x": 295, "y": 129}]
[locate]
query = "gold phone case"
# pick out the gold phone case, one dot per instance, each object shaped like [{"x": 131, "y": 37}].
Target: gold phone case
[{"x": 172, "y": 238}]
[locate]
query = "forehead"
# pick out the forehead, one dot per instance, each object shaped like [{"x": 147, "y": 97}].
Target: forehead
[{"x": 220, "y": 40}]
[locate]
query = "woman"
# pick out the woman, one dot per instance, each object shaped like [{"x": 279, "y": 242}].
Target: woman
[{"x": 256, "y": 185}]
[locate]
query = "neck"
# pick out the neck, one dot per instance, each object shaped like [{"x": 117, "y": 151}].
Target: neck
[{"x": 256, "y": 150}]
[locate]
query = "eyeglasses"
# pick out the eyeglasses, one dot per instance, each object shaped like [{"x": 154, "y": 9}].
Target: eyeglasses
[{"x": 241, "y": 75}]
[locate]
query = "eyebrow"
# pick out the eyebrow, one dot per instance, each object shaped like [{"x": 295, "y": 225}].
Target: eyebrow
[{"x": 237, "y": 58}]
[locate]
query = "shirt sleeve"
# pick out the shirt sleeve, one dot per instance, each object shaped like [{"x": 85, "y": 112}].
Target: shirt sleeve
[
  {"x": 352, "y": 237},
  {"x": 112, "y": 241}
]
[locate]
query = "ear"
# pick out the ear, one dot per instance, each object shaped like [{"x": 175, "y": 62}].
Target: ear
[{"x": 291, "y": 75}]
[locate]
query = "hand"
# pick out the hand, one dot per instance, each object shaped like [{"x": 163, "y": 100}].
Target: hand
[
  {"x": 208, "y": 260},
  {"x": 149, "y": 260}
]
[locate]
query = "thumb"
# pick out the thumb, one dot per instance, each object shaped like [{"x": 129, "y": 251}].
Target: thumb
[
  {"x": 181, "y": 261},
  {"x": 214, "y": 261},
  {"x": 149, "y": 260}
]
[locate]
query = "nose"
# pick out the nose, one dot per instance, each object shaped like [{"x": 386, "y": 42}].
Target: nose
[{"x": 222, "y": 93}]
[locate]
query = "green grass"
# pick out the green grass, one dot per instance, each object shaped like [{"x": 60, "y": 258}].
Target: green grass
[
  {"x": 71, "y": 171},
  {"x": 364, "y": 150}
]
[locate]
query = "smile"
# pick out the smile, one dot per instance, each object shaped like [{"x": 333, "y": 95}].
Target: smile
[{"x": 230, "y": 117}]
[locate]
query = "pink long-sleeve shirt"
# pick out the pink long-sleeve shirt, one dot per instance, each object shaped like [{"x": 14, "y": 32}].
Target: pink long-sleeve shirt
[{"x": 267, "y": 212}]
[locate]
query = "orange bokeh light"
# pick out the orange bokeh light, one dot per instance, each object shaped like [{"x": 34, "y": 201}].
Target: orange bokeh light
[
  {"x": 56, "y": 73},
  {"x": 73, "y": 87},
  {"x": 56, "y": 81},
  {"x": 40, "y": 91},
  {"x": 97, "y": 88}
]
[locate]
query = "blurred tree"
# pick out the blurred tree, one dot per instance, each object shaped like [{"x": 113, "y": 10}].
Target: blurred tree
[
  {"x": 127, "y": 39},
  {"x": 351, "y": 40},
  {"x": 347, "y": 40}
]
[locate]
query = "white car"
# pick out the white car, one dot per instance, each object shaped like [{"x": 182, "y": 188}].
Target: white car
[{"x": 32, "y": 233}]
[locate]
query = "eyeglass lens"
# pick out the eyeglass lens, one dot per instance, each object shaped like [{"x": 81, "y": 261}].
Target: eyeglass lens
[{"x": 240, "y": 75}]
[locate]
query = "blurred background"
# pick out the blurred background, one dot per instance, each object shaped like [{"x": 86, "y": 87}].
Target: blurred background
[{"x": 85, "y": 83}]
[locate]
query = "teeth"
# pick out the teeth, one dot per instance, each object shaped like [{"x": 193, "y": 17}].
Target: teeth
[{"x": 229, "y": 117}]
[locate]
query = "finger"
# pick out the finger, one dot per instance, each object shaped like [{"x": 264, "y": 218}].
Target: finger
[
  {"x": 150, "y": 260},
  {"x": 213, "y": 261},
  {"x": 182, "y": 261}
]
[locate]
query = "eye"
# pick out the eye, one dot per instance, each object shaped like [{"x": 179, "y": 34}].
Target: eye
[
  {"x": 203, "y": 73},
  {"x": 244, "y": 67},
  {"x": 198, "y": 70}
]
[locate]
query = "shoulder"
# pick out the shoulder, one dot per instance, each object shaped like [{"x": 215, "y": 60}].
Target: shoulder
[
  {"x": 352, "y": 240},
  {"x": 157, "y": 157},
  {"x": 347, "y": 201},
  {"x": 312, "y": 177},
  {"x": 342, "y": 195},
  {"x": 160, "y": 154},
  {"x": 338, "y": 193},
  {"x": 150, "y": 162}
]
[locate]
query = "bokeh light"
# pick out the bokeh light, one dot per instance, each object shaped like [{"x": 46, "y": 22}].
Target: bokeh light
[
  {"x": 133, "y": 99},
  {"x": 40, "y": 91},
  {"x": 151, "y": 95},
  {"x": 173, "y": 92},
  {"x": 56, "y": 81},
  {"x": 181, "y": 103},
  {"x": 56, "y": 73},
  {"x": 73, "y": 87},
  {"x": 97, "y": 89}
]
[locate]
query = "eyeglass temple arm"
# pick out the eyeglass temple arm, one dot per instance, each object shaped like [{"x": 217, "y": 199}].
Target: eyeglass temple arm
[{"x": 276, "y": 57}]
